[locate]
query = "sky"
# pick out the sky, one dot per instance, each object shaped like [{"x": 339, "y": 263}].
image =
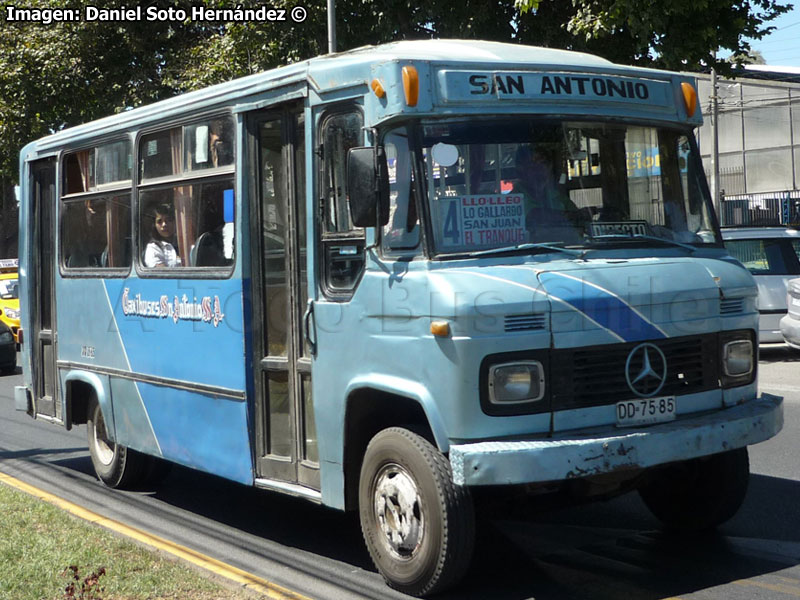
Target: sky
[{"x": 782, "y": 46}]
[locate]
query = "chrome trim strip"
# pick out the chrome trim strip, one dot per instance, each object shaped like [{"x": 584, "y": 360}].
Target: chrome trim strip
[
  {"x": 293, "y": 489},
  {"x": 209, "y": 390}
]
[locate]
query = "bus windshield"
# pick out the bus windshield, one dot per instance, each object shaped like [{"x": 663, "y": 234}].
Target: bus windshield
[{"x": 503, "y": 183}]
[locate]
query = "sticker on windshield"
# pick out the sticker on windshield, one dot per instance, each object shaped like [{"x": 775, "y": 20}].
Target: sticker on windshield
[
  {"x": 482, "y": 220},
  {"x": 600, "y": 228}
]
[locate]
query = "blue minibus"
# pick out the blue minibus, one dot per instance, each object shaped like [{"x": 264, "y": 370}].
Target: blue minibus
[{"x": 393, "y": 278}]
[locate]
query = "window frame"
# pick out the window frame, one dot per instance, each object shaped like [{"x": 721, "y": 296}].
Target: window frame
[
  {"x": 414, "y": 129},
  {"x": 187, "y": 177},
  {"x": 326, "y": 239},
  {"x": 103, "y": 192},
  {"x": 786, "y": 250},
  {"x": 421, "y": 250}
]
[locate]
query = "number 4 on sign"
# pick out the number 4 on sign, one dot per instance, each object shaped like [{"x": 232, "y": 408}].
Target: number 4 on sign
[{"x": 451, "y": 230}]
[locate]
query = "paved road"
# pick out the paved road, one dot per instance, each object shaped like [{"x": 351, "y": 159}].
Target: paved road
[{"x": 607, "y": 550}]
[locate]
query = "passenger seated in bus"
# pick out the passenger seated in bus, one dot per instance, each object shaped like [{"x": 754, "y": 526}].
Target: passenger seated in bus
[
  {"x": 161, "y": 248},
  {"x": 550, "y": 214}
]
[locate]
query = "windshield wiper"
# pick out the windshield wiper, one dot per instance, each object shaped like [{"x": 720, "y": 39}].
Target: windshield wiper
[
  {"x": 649, "y": 238},
  {"x": 529, "y": 246}
]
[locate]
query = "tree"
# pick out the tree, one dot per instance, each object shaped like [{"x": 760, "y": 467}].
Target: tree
[
  {"x": 61, "y": 74},
  {"x": 679, "y": 35},
  {"x": 754, "y": 58},
  {"x": 56, "y": 75}
]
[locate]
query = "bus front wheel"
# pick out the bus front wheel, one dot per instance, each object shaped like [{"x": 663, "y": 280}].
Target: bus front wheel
[
  {"x": 419, "y": 527},
  {"x": 115, "y": 465},
  {"x": 698, "y": 494}
]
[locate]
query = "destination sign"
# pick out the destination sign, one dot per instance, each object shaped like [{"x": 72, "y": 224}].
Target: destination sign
[
  {"x": 600, "y": 228},
  {"x": 482, "y": 220},
  {"x": 480, "y": 86}
]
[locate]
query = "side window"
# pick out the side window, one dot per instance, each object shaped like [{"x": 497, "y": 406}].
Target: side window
[
  {"x": 766, "y": 256},
  {"x": 342, "y": 243},
  {"x": 183, "y": 221},
  {"x": 200, "y": 212},
  {"x": 95, "y": 233},
  {"x": 96, "y": 209},
  {"x": 340, "y": 132}
]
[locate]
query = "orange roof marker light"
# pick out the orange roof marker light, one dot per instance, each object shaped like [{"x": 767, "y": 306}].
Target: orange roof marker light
[
  {"x": 689, "y": 98},
  {"x": 377, "y": 88},
  {"x": 411, "y": 85}
]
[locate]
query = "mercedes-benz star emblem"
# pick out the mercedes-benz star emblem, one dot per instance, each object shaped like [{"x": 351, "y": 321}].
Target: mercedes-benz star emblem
[{"x": 646, "y": 370}]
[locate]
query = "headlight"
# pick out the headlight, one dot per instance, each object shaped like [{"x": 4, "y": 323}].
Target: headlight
[
  {"x": 12, "y": 313},
  {"x": 513, "y": 383},
  {"x": 737, "y": 358},
  {"x": 737, "y": 354}
]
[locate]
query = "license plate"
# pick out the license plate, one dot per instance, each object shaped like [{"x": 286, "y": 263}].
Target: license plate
[
  {"x": 645, "y": 411},
  {"x": 795, "y": 301}
]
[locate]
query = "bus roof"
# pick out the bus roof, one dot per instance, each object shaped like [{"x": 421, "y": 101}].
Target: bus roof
[{"x": 338, "y": 71}]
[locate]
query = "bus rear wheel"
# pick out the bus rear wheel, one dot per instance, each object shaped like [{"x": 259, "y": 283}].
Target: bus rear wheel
[
  {"x": 419, "y": 527},
  {"x": 698, "y": 494},
  {"x": 115, "y": 465}
]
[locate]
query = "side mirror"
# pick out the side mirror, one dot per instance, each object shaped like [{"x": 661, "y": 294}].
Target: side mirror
[{"x": 368, "y": 186}]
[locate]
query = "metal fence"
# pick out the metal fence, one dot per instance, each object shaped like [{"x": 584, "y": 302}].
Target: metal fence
[{"x": 760, "y": 210}]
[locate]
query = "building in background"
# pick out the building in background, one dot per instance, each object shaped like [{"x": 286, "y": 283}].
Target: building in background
[{"x": 758, "y": 128}]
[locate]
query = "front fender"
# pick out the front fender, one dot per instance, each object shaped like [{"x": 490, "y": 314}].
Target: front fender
[
  {"x": 410, "y": 389},
  {"x": 101, "y": 393}
]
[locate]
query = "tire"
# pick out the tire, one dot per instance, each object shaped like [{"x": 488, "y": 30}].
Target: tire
[
  {"x": 419, "y": 527},
  {"x": 698, "y": 494},
  {"x": 115, "y": 465}
]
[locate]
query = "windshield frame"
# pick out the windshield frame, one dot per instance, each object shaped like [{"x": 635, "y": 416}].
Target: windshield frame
[{"x": 428, "y": 244}]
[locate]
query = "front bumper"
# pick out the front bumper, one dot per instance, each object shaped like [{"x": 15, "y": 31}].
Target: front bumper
[
  {"x": 790, "y": 330},
  {"x": 612, "y": 449}
]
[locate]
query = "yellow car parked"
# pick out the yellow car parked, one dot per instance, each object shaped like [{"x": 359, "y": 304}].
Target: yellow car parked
[{"x": 9, "y": 295}]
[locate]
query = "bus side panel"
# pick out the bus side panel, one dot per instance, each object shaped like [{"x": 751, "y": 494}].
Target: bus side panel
[
  {"x": 87, "y": 333},
  {"x": 186, "y": 330},
  {"x": 200, "y": 431},
  {"x": 175, "y": 335},
  {"x": 132, "y": 427}
]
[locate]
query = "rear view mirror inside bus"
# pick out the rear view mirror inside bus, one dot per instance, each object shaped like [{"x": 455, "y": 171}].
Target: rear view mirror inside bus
[{"x": 367, "y": 187}]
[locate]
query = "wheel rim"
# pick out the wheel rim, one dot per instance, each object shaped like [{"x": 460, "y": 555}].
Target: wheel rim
[
  {"x": 398, "y": 509},
  {"x": 103, "y": 448}
]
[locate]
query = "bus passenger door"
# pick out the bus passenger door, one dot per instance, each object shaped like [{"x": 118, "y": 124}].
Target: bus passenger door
[
  {"x": 42, "y": 299},
  {"x": 286, "y": 438}
]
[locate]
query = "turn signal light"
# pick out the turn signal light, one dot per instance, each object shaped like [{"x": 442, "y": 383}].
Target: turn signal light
[
  {"x": 440, "y": 328},
  {"x": 411, "y": 85},
  {"x": 377, "y": 88},
  {"x": 689, "y": 98}
]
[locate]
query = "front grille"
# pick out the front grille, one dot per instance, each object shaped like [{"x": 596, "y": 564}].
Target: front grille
[{"x": 596, "y": 376}]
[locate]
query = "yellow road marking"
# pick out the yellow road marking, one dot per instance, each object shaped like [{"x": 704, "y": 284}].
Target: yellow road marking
[{"x": 247, "y": 580}]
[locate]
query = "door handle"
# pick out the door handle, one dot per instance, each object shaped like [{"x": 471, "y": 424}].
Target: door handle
[{"x": 312, "y": 344}]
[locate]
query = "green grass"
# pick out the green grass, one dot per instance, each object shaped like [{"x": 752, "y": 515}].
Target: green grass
[{"x": 39, "y": 541}]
